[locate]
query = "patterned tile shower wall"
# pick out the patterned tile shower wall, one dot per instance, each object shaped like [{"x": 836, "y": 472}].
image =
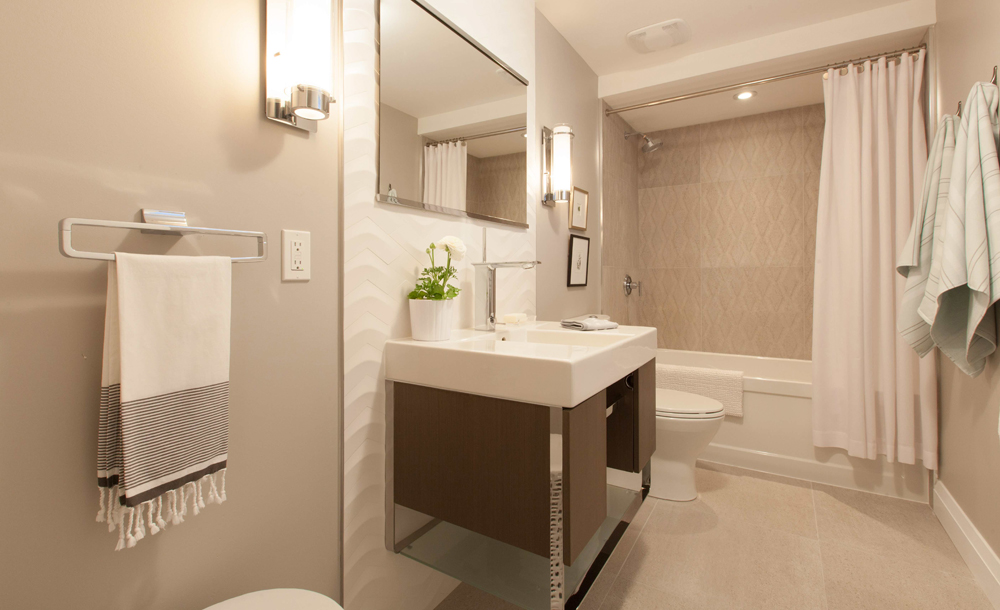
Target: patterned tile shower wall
[
  {"x": 496, "y": 186},
  {"x": 723, "y": 233},
  {"x": 383, "y": 251}
]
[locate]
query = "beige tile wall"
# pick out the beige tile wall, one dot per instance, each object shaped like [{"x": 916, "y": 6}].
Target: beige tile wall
[
  {"x": 620, "y": 209},
  {"x": 495, "y": 186},
  {"x": 721, "y": 232}
]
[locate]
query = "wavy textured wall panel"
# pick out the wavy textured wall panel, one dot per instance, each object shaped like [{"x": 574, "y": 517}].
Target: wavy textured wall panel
[{"x": 383, "y": 252}]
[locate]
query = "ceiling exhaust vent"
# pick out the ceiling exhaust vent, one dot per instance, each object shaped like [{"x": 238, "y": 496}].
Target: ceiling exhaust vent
[{"x": 659, "y": 36}]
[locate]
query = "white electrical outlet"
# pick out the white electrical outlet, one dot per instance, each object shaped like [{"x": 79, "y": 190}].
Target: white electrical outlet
[{"x": 294, "y": 255}]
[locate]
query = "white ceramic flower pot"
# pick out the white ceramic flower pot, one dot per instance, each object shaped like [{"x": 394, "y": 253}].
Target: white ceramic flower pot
[{"x": 430, "y": 320}]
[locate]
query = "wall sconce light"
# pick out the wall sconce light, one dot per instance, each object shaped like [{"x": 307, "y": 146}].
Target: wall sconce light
[
  {"x": 299, "y": 62},
  {"x": 557, "y": 164}
]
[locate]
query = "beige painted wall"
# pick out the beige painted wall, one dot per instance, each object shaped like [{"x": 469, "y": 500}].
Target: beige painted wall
[
  {"x": 401, "y": 154},
  {"x": 968, "y": 47},
  {"x": 567, "y": 93},
  {"x": 115, "y": 106}
]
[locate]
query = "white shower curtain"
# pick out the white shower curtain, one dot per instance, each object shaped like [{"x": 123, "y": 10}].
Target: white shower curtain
[
  {"x": 445, "y": 168},
  {"x": 871, "y": 394}
]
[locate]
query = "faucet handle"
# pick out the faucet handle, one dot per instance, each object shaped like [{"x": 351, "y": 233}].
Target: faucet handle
[{"x": 629, "y": 284}]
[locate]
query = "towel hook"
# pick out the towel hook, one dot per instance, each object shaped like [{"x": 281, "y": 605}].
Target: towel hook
[
  {"x": 959, "y": 113},
  {"x": 994, "y": 79}
]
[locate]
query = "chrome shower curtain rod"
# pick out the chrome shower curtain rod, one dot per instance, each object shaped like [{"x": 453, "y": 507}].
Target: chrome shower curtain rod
[
  {"x": 481, "y": 135},
  {"x": 761, "y": 81}
]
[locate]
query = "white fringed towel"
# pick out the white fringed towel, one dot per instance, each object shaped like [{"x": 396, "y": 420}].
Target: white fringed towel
[
  {"x": 724, "y": 386},
  {"x": 164, "y": 420}
]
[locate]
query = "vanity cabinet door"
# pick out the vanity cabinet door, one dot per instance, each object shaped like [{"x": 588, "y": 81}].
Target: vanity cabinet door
[
  {"x": 621, "y": 425},
  {"x": 631, "y": 434},
  {"x": 644, "y": 398}
]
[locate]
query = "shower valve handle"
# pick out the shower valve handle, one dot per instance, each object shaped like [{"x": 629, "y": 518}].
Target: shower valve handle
[{"x": 630, "y": 284}]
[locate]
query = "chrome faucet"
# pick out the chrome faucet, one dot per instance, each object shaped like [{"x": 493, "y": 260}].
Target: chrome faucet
[{"x": 485, "y": 290}]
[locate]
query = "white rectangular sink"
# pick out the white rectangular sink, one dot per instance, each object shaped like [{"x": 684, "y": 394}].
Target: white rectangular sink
[{"x": 552, "y": 366}]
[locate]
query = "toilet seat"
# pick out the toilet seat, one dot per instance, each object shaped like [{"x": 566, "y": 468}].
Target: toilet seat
[
  {"x": 674, "y": 404},
  {"x": 278, "y": 599}
]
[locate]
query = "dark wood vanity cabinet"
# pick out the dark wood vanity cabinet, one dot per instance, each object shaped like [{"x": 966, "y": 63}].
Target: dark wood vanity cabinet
[
  {"x": 483, "y": 463},
  {"x": 631, "y": 437}
]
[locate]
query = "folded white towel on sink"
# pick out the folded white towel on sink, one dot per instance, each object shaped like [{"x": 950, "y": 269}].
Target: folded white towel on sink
[{"x": 589, "y": 324}]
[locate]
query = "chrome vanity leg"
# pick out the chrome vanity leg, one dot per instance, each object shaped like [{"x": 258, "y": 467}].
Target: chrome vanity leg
[
  {"x": 390, "y": 500},
  {"x": 557, "y": 573}
]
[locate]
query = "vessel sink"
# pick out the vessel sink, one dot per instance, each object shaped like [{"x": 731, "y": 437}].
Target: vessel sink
[{"x": 539, "y": 362}]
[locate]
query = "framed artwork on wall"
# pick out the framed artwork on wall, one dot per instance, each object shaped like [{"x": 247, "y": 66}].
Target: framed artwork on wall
[
  {"x": 579, "y": 260},
  {"x": 578, "y": 208}
]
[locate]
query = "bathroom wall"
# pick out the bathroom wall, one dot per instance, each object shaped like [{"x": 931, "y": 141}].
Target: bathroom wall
[
  {"x": 124, "y": 105},
  {"x": 401, "y": 154},
  {"x": 620, "y": 197},
  {"x": 567, "y": 93},
  {"x": 724, "y": 233},
  {"x": 383, "y": 251},
  {"x": 967, "y": 49},
  {"x": 495, "y": 185}
]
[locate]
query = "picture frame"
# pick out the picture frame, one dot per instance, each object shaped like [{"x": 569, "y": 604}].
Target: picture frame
[
  {"x": 579, "y": 207},
  {"x": 579, "y": 261}
]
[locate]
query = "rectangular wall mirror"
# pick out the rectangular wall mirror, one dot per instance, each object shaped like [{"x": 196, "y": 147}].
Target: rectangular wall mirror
[{"x": 452, "y": 119}]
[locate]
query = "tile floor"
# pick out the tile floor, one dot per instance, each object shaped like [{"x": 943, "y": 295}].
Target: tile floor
[{"x": 756, "y": 541}]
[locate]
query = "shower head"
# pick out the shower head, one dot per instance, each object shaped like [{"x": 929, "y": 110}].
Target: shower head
[{"x": 651, "y": 145}]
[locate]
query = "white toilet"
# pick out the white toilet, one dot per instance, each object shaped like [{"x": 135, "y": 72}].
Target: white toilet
[
  {"x": 278, "y": 599},
  {"x": 685, "y": 425}
]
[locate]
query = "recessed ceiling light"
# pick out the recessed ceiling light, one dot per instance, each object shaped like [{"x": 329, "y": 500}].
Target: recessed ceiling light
[{"x": 744, "y": 95}]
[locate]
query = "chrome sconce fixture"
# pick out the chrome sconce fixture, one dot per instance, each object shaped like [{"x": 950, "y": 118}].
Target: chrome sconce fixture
[
  {"x": 557, "y": 164},
  {"x": 299, "y": 62}
]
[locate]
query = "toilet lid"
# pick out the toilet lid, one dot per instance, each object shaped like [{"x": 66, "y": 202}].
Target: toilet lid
[
  {"x": 684, "y": 404},
  {"x": 278, "y": 599}
]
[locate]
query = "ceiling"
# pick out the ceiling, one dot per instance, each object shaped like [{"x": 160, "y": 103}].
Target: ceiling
[
  {"x": 426, "y": 69},
  {"x": 597, "y": 28},
  {"x": 770, "y": 97}
]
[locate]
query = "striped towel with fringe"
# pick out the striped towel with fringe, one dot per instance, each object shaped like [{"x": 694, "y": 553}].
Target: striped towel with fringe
[{"x": 164, "y": 415}]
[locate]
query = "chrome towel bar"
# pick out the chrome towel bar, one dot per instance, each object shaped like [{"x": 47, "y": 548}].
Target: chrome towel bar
[{"x": 154, "y": 221}]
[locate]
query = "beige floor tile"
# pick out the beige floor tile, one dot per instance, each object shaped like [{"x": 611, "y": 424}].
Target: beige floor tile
[
  {"x": 860, "y": 580},
  {"x": 890, "y": 527},
  {"x": 606, "y": 579},
  {"x": 689, "y": 555},
  {"x": 628, "y": 595},
  {"x": 763, "y": 500},
  {"x": 466, "y": 597},
  {"x": 780, "y": 571}
]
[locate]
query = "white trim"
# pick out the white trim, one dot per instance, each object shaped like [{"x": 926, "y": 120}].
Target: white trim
[
  {"x": 977, "y": 553},
  {"x": 837, "y": 475}
]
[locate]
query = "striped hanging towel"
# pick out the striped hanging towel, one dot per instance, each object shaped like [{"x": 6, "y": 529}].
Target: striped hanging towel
[{"x": 164, "y": 417}]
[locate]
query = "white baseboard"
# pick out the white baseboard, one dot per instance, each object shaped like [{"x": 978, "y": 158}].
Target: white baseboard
[
  {"x": 838, "y": 475},
  {"x": 976, "y": 552}
]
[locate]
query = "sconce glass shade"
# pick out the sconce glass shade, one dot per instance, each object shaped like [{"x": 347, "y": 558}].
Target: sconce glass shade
[
  {"x": 299, "y": 59},
  {"x": 562, "y": 162}
]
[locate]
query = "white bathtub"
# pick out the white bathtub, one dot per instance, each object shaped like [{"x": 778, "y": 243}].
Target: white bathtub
[{"x": 775, "y": 433}]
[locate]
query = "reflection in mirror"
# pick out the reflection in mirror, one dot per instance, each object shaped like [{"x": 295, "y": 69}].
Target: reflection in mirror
[{"x": 452, "y": 121}]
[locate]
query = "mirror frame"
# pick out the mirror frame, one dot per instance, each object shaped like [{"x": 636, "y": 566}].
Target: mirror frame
[{"x": 409, "y": 203}]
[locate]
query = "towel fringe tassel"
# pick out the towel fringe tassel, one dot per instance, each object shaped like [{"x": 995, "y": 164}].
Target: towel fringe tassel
[
  {"x": 159, "y": 509},
  {"x": 154, "y": 529},
  {"x": 131, "y": 521},
  {"x": 102, "y": 511}
]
